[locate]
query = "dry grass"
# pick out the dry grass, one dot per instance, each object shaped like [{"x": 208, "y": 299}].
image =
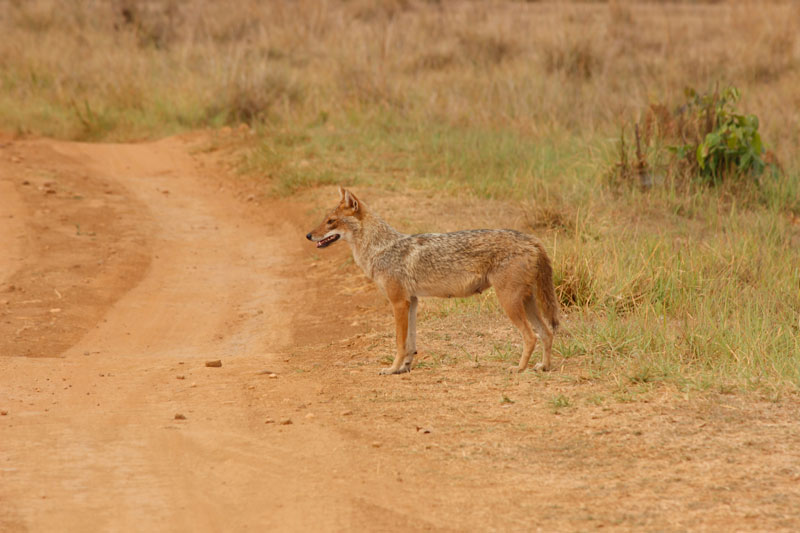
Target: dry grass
[{"x": 155, "y": 66}]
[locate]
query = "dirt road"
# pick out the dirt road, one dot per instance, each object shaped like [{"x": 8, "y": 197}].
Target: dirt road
[
  {"x": 153, "y": 272},
  {"x": 125, "y": 268}
]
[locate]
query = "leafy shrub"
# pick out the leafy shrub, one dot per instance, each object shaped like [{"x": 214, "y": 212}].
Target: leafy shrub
[
  {"x": 706, "y": 138},
  {"x": 732, "y": 146}
]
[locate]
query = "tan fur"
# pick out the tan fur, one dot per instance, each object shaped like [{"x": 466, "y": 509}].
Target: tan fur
[{"x": 461, "y": 263}]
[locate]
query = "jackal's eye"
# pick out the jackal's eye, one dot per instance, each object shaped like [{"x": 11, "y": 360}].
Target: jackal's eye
[{"x": 330, "y": 221}]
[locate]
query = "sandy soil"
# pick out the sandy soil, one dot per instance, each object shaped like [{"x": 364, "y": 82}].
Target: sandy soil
[{"x": 125, "y": 268}]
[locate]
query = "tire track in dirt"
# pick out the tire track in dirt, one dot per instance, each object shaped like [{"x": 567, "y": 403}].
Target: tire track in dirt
[
  {"x": 77, "y": 244},
  {"x": 12, "y": 230}
]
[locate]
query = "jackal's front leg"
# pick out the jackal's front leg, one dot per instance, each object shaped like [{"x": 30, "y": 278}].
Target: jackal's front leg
[
  {"x": 411, "y": 337},
  {"x": 401, "y": 312}
]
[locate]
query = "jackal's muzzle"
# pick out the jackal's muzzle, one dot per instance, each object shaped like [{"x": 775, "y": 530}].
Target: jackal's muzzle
[{"x": 327, "y": 241}]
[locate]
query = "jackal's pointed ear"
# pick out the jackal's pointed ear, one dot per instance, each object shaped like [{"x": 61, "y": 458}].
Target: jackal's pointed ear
[
  {"x": 341, "y": 193},
  {"x": 350, "y": 200}
]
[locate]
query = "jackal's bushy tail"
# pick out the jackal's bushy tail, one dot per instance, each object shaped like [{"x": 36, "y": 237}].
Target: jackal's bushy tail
[{"x": 545, "y": 291}]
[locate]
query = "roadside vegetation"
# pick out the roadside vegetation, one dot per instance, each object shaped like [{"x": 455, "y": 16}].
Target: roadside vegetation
[{"x": 673, "y": 217}]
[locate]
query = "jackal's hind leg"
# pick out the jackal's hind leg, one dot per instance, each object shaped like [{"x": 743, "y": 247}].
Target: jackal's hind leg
[
  {"x": 514, "y": 307},
  {"x": 545, "y": 333}
]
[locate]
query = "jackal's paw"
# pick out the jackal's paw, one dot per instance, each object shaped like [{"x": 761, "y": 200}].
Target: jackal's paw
[
  {"x": 515, "y": 369},
  {"x": 389, "y": 371},
  {"x": 539, "y": 367}
]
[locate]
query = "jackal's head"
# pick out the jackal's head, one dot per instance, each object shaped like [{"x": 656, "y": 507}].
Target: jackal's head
[{"x": 342, "y": 222}]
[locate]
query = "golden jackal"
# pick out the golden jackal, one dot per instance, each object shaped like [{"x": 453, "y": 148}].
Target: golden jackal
[{"x": 461, "y": 263}]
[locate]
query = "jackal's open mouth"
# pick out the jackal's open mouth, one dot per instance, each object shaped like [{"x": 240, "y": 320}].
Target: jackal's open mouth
[{"x": 327, "y": 240}]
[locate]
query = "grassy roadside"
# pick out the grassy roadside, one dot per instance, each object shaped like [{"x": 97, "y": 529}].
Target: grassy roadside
[
  {"x": 523, "y": 103},
  {"x": 697, "y": 288}
]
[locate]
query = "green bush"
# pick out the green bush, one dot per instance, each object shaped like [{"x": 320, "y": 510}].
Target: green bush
[
  {"x": 732, "y": 146},
  {"x": 704, "y": 139}
]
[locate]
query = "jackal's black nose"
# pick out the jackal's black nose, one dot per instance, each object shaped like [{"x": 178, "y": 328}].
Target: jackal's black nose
[{"x": 308, "y": 236}]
